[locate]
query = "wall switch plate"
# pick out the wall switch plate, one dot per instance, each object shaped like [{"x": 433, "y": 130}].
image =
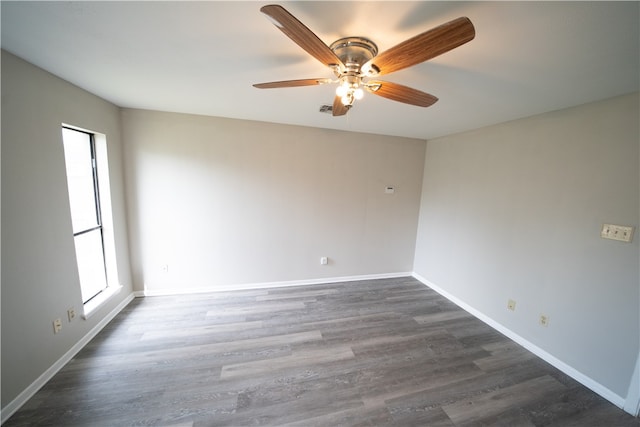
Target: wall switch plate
[
  {"x": 71, "y": 314},
  {"x": 622, "y": 233},
  {"x": 324, "y": 260},
  {"x": 511, "y": 305},
  {"x": 57, "y": 325}
]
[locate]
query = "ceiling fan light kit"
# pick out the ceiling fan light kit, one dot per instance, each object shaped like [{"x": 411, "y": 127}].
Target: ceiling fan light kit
[{"x": 355, "y": 60}]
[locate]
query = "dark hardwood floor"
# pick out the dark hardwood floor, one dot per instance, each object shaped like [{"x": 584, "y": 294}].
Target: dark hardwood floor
[{"x": 371, "y": 353}]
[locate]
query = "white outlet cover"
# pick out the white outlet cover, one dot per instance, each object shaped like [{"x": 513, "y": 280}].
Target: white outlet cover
[
  {"x": 57, "y": 325},
  {"x": 544, "y": 320}
]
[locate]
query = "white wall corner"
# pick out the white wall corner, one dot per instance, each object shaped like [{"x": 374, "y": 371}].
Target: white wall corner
[
  {"x": 632, "y": 403},
  {"x": 544, "y": 355},
  {"x": 33, "y": 388}
]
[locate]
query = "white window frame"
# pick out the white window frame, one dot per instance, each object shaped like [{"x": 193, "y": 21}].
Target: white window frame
[{"x": 106, "y": 216}]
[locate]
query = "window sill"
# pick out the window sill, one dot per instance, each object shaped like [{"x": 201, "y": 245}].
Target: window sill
[{"x": 91, "y": 307}]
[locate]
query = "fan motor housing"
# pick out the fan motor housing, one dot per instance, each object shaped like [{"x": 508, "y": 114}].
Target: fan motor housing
[{"x": 354, "y": 51}]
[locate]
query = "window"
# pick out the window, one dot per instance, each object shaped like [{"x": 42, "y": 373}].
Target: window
[{"x": 83, "y": 182}]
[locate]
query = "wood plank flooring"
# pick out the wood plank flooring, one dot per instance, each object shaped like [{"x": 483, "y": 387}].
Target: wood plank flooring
[{"x": 371, "y": 353}]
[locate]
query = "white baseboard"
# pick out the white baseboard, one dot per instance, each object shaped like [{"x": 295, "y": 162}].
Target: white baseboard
[
  {"x": 544, "y": 355},
  {"x": 267, "y": 285},
  {"x": 32, "y": 389}
]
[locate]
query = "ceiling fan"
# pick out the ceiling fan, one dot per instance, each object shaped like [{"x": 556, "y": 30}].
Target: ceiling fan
[{"x": 355, "y": 60}]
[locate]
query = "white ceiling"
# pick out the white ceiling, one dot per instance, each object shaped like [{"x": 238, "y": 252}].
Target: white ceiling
[{"x": 203, "y": 57}]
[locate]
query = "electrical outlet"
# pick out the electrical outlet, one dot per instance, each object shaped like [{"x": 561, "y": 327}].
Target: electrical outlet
[
  {"x": 511, "y": 305},
  {"x": 71, "y": 314},
  {"x": 57, "y": 325},
  {"x": 544, "y": 320}
]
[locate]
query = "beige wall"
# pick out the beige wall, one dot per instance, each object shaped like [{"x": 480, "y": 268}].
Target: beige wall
[
  {"x": 39, "y": 272},
  {"x": 226, "y": 202},
  {"x": 514, "y": 211}
]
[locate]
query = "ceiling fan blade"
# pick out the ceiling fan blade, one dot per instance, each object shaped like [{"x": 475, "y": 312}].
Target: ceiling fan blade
[
  {"x": 400, "y": 93},
  {"x": 301, "y": 35},
  {"x": 291, "y": 83},
  {"x": 422, "y": 47},
  {"x": 339, "y": 109}
]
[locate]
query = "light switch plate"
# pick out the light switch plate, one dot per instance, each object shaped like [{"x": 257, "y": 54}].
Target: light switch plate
[{"x": 621, "y": 233}]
